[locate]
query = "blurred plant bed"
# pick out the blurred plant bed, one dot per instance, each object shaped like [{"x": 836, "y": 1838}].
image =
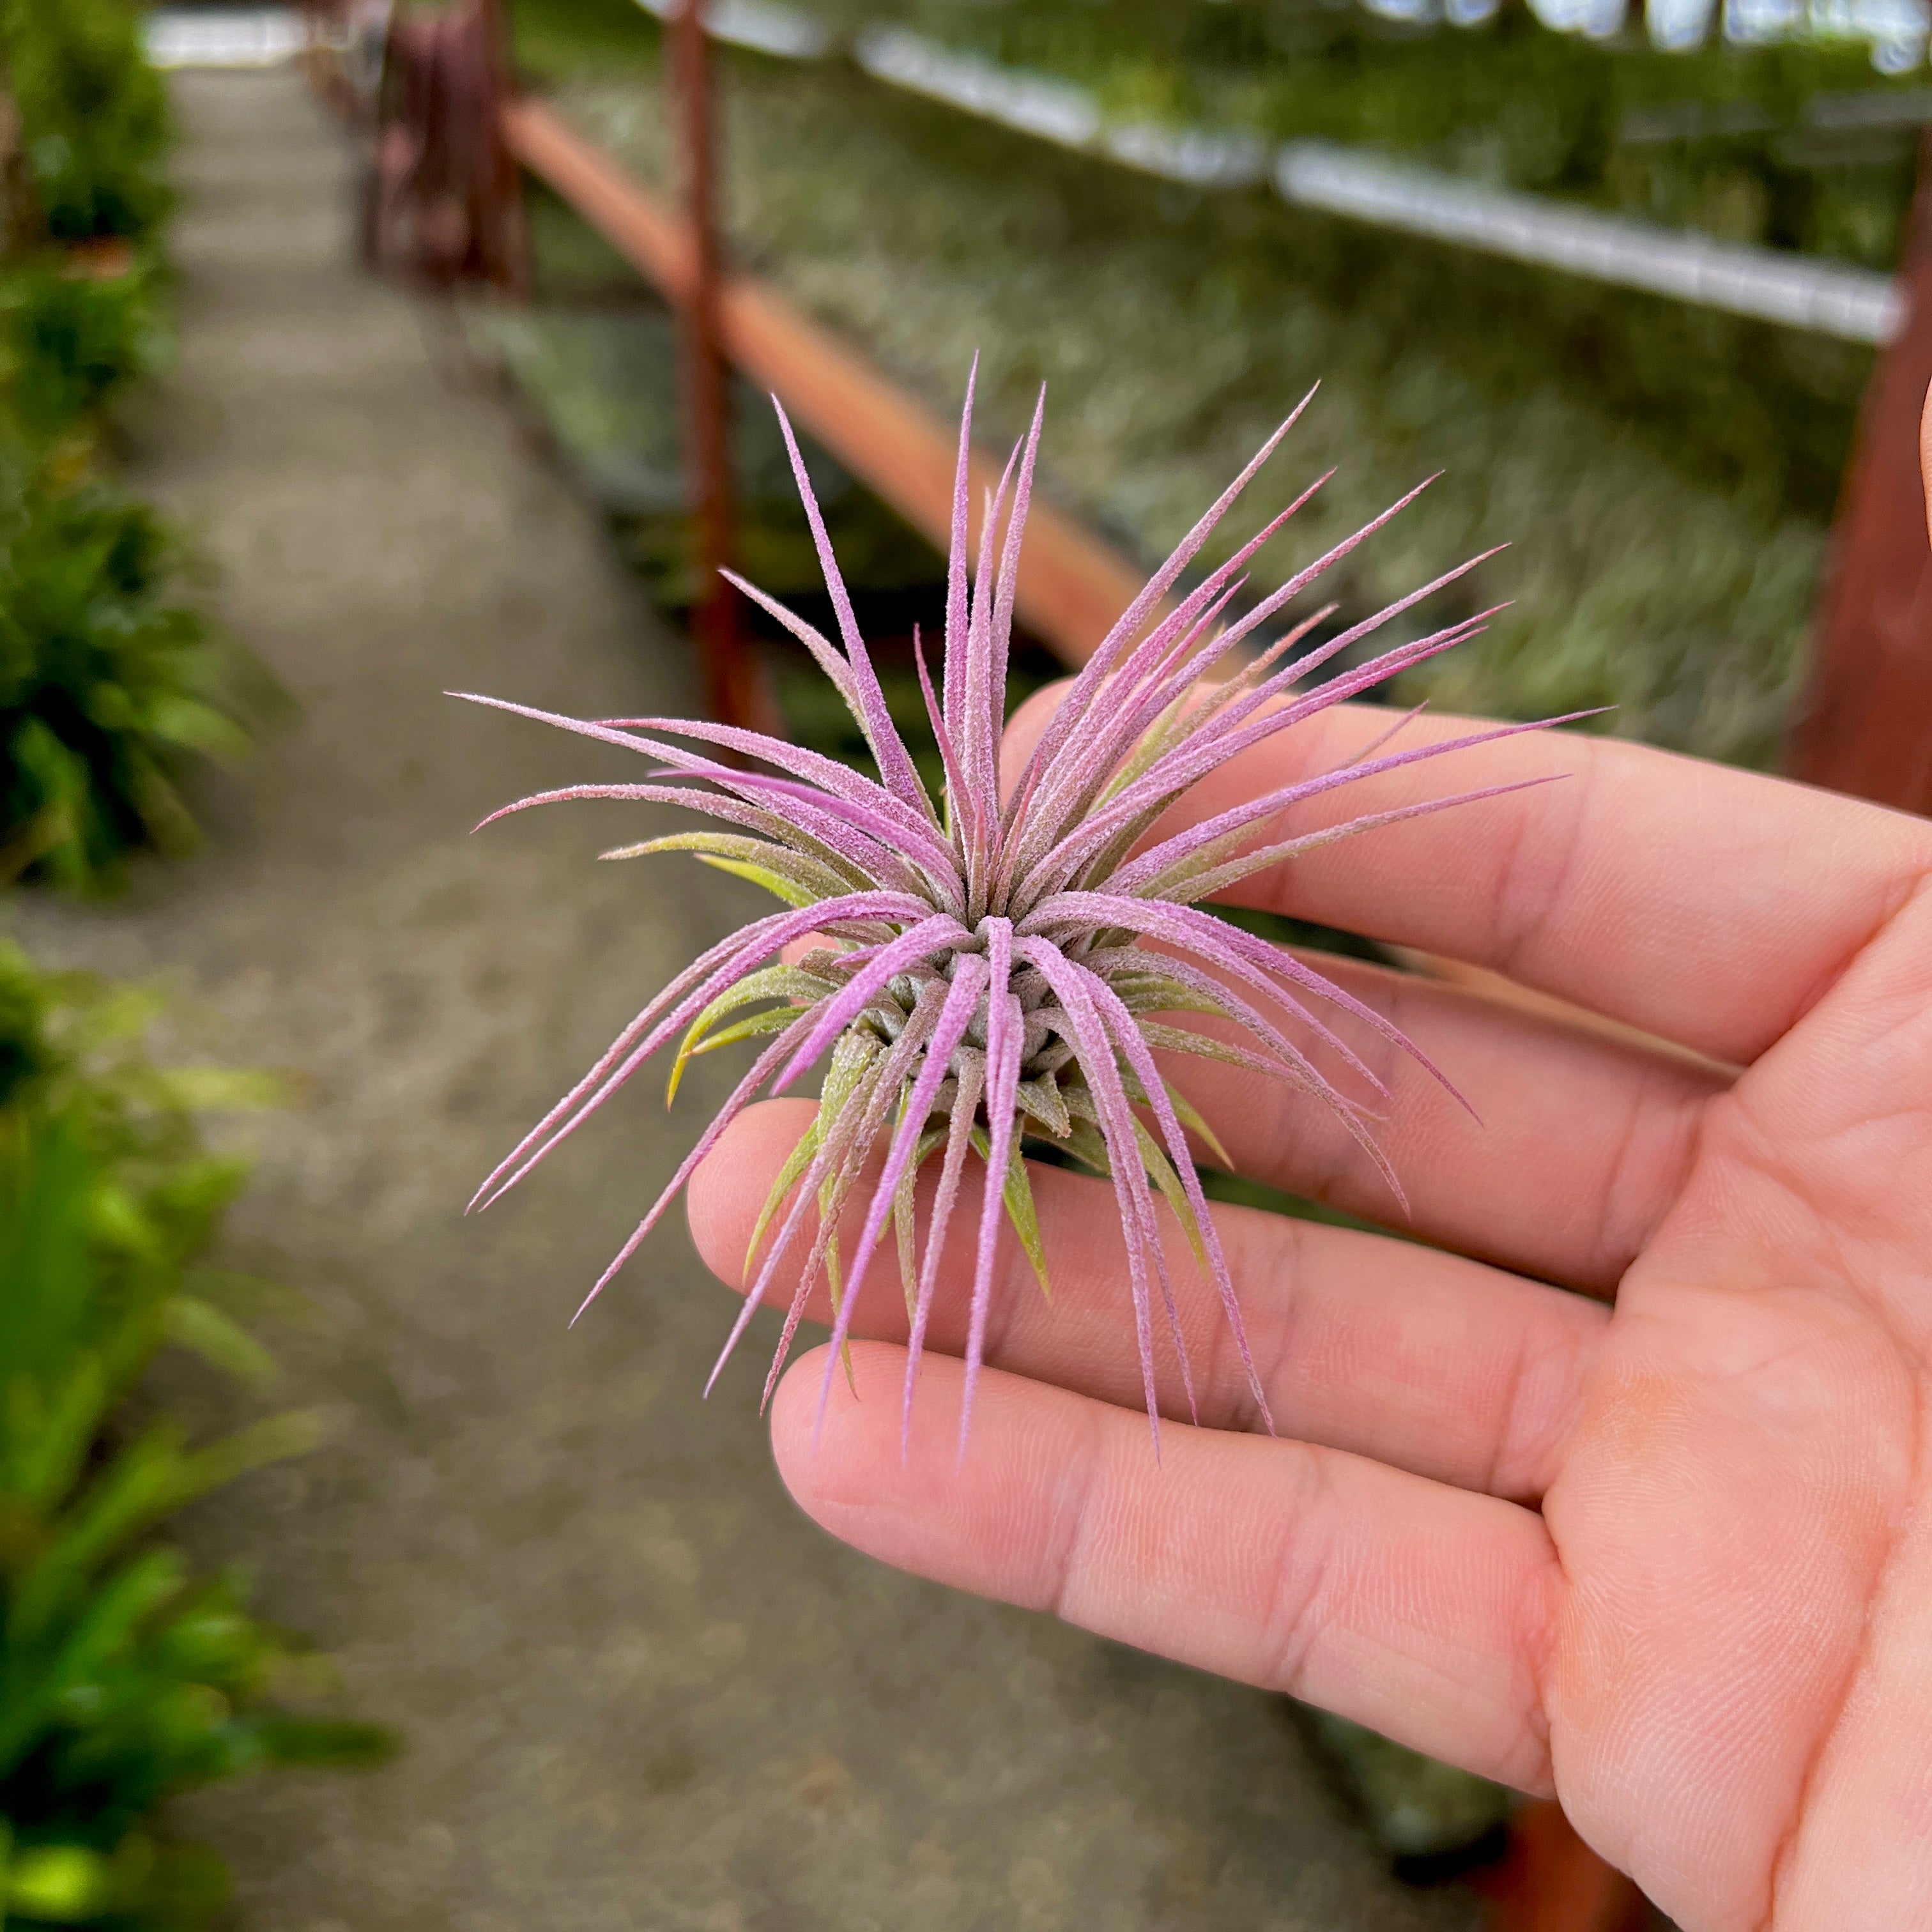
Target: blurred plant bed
[
  {"x": 79, "y": 327},
  {"x": 125, "y": 1679},
  {"x": 113, "y": 688},
  {"x": 1799, "y": 145},
  {"x": 601, "y": 384},
  {"x": 87, "y": 117},
  {"x": 556, "y": 40},
  {"x": 83, "y": 196},
  {"x": 1665, "y": 474},
  {"x": 112, "y": 684}
]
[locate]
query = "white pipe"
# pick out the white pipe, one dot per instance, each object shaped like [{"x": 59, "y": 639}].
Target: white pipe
[{"x": 1768, "y": 284}]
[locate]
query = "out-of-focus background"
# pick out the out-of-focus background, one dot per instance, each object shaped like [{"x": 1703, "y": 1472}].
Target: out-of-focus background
[{"x": 352, "y": 353}]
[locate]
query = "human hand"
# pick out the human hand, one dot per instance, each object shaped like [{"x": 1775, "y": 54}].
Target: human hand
[{"x": 1670, "y": 1559}]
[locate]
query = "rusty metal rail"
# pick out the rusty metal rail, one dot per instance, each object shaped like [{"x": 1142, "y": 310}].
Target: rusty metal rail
[
  {"x": 1072, "y": 587},
  {"x": 1550, "y": 1881}
]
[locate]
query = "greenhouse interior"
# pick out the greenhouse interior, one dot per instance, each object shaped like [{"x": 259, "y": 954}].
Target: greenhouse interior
[{"x": 367, "y": 1563}]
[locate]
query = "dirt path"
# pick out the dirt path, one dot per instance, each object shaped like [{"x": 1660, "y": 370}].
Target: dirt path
[{"x": 639, "y": 1691}]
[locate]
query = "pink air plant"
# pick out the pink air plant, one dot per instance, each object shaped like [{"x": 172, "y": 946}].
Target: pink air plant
[{"x": 981, "y": 972}]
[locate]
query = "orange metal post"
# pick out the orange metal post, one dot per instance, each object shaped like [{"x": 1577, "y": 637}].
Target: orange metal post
[
  {"x": 718, "y": 622},
  {"x": 1552, "y": 1881}
]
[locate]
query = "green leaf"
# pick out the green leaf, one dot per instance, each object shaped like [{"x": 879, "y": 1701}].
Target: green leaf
[
  {"x": 1040, "y": 1100},
  {"x": 1153, "y": 993},
  {"x": 1184, "y": 1108},
  {"x": 33, "y": 1682},
  {"x": 1084, "y": 1141},
  {"x": 225, "y": 1090},
  {"x": 49, "y": 1442},
  {"x": 1165, "y": 731},
  {"x": 1190, "y": 1117},
  {"x": 796, "y": 1162},
  {"x": 797, "y": 896},
  {"x": 1016, "y": 1196},
  {"x": 274, "y": 1439},
  {"x": 1185, "y": 1040},
  {"x": 819, "y": 878},
  {"x": 770, "y": 982},
  {"x": 1160, "y": 1171},
  {"x": 60, "y": 1884},
  {"x": 905, "y": 1220},
  {"x": 156, "y": 1475},
  {"x": 220, "y": 1340},
  {"x": 852, "y": 1054}
]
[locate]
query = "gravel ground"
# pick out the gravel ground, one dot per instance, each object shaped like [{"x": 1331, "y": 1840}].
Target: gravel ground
[{"x": 638, "y": 1690}]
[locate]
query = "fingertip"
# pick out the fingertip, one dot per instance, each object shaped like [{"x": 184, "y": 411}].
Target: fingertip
[
  {"x": 796, "y": 951},
  {"x": 1025, "y": 728},
  {"x": 817, "y": 1465},
  {"x": 973, "y": 1524},
  {"x": 725, "y": 1195},
  {"x": 852, "y": 1465}
]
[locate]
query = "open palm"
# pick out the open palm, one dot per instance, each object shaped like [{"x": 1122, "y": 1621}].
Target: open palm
[{"x": 1658, "y": 1539}]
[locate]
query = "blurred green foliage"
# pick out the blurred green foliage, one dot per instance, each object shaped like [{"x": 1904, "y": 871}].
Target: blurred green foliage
[
  {"x": 123, "y": 1678},
  {"x": 86, "y": 196},
  {"x": 92, "y": 116},
  {"x": 109, "y": 684},
  {"x": 1722, "y": 139},
  {"x": 70, "y": 343},
  {"x": 553, "y": 39}
]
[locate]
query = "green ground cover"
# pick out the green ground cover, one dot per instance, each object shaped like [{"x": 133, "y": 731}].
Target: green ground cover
[
  {"x": 1727, "y": 139},
  {"x": 112, "y": 684},
  {"x": 87, "y": 172},
  {"x": 125, "y": 1679}
]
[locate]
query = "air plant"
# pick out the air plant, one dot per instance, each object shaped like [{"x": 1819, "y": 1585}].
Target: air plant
[{"x": 984, "y": 972}]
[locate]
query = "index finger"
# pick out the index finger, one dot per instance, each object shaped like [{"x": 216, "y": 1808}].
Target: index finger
[
  {"x": 1706, "y": 905},
  {"x": 1422, "y": 1610}
]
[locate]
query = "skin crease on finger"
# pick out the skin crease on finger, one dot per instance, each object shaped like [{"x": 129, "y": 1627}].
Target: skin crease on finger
[{"x": 1713, "y": 1634}]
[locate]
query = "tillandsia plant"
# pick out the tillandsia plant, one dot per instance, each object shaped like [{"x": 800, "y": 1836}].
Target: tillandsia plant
[{"x": 983, "y": 971}]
